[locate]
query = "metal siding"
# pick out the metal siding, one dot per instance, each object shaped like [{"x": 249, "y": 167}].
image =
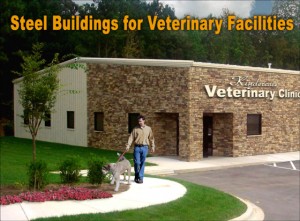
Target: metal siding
[{"x": 71, "y": 80}]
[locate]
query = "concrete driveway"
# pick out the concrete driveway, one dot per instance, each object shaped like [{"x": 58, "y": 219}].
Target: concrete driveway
[{"x": 274, "y": 187}]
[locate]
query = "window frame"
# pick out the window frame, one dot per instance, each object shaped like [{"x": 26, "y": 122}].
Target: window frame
[
  {"x": 100, "y": 127},
  {"x": 250, "y": 125},
  {"x": 47, "y": 122},
  {"x": 72, "y": 123},
  {"x": 25, "y": 118}
]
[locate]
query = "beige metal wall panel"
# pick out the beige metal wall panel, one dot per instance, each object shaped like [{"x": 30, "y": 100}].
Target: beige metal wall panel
[{"x": 72, "y": 96}]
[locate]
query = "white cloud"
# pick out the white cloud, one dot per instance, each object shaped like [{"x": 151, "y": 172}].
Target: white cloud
[{"x": 201, "y": 9}]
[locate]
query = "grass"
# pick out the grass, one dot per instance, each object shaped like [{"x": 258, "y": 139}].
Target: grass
[
  {"x": 199, "y": 203},
  {"x": 16, "y": 153}
]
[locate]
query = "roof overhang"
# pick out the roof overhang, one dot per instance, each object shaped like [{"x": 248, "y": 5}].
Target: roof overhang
[{"x": 168, "y": 63}]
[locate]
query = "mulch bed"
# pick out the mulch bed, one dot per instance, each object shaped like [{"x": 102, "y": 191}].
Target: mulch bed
[{"x": 106, "y": 187}]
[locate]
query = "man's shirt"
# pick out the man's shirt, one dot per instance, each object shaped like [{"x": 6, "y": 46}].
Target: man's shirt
[{"x": 141, "y": 136}]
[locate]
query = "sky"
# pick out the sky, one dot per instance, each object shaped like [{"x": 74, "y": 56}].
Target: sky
[
  {"x": 202, "y": 8},
  {"x": 242, "y": 8}
]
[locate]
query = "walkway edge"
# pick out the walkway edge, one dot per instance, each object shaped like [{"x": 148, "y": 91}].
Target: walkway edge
[
  {"x": 253, "y": 212},
  {"x": 222, "y": 167}
]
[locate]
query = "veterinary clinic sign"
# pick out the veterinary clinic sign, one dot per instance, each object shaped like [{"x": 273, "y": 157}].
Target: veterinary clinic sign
[{"x": 248, "y": 91}]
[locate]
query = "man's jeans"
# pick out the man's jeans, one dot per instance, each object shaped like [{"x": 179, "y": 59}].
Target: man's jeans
[{"x": 139, "y": 156}]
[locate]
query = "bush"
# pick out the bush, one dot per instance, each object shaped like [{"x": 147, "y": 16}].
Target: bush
[
  {"x": 70, "y": 170},
  {"x": 38, "y": 174},
  {"x": 95, "y": 174}
]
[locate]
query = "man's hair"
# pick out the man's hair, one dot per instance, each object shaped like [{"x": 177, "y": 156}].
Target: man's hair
[{"x": 141, "y": 117}]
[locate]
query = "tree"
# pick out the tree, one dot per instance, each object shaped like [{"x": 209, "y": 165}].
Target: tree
[
  {"x": 12, "y": 41},
  {"x": 38, "y": 90},
  {"x": 287, "y": 9}
]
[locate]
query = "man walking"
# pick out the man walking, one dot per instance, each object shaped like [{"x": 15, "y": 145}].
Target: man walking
[{"x": 142, "y": 137}]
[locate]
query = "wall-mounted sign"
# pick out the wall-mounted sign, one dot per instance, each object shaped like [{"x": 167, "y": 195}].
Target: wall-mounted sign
[{"x": 251, "y": 90}]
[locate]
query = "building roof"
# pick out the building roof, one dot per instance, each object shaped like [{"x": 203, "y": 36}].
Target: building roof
[
  {"x": 174, "y": 63},
  {"x": 169, "y": 63}
]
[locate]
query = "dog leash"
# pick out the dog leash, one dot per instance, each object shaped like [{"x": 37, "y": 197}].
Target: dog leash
[{"x": 121, "y": 156}]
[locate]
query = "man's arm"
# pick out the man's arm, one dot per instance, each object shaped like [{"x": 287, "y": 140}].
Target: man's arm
[
  {"x": 130, "y": 140},
  {"x": 151, "y": 139}
]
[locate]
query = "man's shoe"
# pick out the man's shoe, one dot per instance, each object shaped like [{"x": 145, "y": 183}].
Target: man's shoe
[
  {"x": 140, "y": 181},
  {"x": 136, "y": 180}
]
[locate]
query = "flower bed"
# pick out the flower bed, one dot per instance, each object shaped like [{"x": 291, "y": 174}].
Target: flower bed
[{"x": 63, "y": 193}]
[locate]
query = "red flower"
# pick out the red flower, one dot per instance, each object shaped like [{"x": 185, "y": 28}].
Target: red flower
[{"x": 63, "y": 193}]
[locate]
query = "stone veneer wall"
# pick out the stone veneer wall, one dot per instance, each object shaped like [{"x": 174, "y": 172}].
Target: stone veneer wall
[
  {"x": 222, "y": 134},
  {"x": 280, "y": 117},
  {"x": 118, "y": 90},
  {"x": 163, "y": 93},
  {"x": 165, "y": 128}
]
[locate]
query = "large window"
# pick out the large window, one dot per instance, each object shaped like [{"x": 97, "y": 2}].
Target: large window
[
  {"x": 254, "y": 124},
  {"x": 70, "y": 119},
  {"x": 47, "y": 120},
  {"x": 132, "y": 121},
  {"x": 99, "y": 121}
]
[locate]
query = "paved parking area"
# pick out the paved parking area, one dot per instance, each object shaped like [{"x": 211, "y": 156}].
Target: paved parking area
[
  {"x": 272, "y": 187},
  {"x": 290, "y": 165}
]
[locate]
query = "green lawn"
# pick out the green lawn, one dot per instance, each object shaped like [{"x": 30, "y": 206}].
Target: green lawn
[
  {"x": 16, "y": 153},
  {"x": 199, "y": 203}
]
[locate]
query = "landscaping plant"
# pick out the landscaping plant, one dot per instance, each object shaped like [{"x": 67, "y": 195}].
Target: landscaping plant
[
  {"x": 63, "y": 193},
  {"x": 38, "y": 90},
  {"x": 95, "y": 174},
  {"x": 70, "y": 170},
  {"x": 38, "y": 174}
]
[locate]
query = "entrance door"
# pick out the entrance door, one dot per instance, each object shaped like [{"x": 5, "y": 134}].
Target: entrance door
[{"x": 207, "y": 136}]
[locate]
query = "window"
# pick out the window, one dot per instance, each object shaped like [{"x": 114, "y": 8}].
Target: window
[
  {"x": 47, "y": 119},
  {"x": 70, "y": 119},
  {"x": 254, "y": 124},
  {"x": 25, "y": 117},
  {"x": 98, "y": 121},
  {"x": 132, "y": 121}
]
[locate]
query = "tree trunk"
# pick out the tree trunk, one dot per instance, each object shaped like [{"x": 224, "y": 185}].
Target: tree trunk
[{"x": 33, "y": 148}]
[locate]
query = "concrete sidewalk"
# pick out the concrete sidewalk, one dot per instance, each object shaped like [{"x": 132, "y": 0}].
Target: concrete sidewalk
[
  {"x": 152, "y": 192},
  {"x": 171, "y": 165},
  {"x": 142, "y": 195}
]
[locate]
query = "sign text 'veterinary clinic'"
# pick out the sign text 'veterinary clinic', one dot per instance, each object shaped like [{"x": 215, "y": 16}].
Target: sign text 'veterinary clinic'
[{"x": 250, "y": 90}]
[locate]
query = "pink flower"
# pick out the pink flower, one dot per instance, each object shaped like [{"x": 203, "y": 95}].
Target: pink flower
[{"x": 63, "y": 193}]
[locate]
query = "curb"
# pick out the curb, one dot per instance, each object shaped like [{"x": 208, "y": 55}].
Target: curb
[
  {"x": 253, "y": 212},
  {"x": 162, "y": 172},
  {"x": 191, "y": 170},
  {"x": 217, "y": 167}
]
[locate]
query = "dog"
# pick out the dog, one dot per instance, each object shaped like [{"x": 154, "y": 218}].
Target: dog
[{"x": 117, "y": 169}]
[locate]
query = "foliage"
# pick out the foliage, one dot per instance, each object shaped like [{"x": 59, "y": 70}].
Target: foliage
[
  {"x": 38, "y": 90},
  {"x": 63, "y": 193},
  {"x": 254, "y": 48},
  {"x": 70, "y": 170},
  {"x": 15, "y": 155},
  {"x": 37, "y": 174},
  {"x": 95, "y": 174}
]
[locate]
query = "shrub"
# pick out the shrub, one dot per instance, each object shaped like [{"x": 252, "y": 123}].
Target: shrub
[
  {"x": 38, "y": 174},
  {"x": 95, "y": 174},
  {"x": 70, "y": 170}
]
